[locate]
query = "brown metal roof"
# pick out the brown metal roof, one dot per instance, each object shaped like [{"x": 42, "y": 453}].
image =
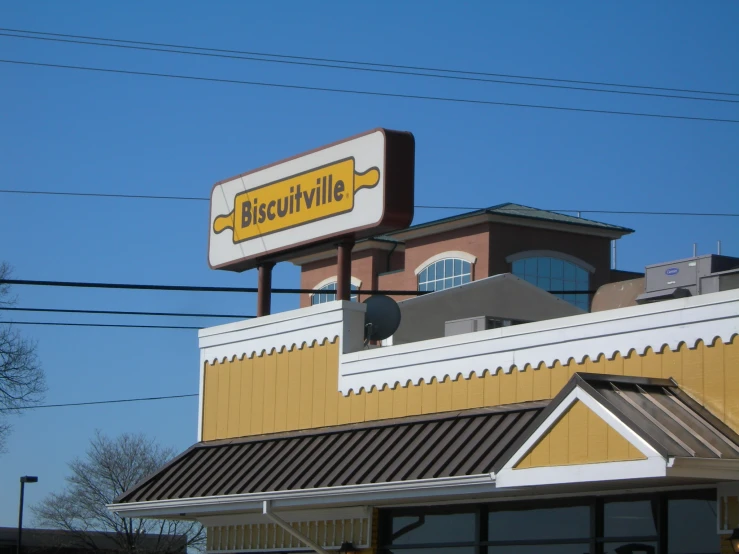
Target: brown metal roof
[
  {"x": 657, "y": 410},
  {"x": 440, "y": 445}
]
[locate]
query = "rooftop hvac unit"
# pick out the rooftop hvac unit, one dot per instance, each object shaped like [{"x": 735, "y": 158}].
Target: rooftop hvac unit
[{"x": 688, "y": 277}]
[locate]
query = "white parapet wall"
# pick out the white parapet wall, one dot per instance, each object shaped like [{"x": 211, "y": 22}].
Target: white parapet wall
[{"x": 636, "y": 328}]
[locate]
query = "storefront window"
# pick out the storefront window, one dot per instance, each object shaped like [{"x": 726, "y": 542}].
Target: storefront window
[
  {"x": 630, "y": 519},
  {"x": 691, "y": 526},
  {"x": 602, "y": 525},
  {"x": 433, "y": 529},
  {"x": 569, "y": 522}
]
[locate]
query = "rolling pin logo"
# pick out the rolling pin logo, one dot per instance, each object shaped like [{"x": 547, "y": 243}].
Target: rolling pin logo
[{"x": 303, "y": 198}]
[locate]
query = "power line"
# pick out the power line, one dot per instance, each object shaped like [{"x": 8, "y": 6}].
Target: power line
[
  {"x": 169, "y": 50},
  {"x": 186, "y": 288},
  {"x": 420, "y": 207},
  {"x": 369, "y": 93},
  {"x": 98, "y": 402},
  {"x": 372, "y": 64},
  {"x": 114, "y": 325},
  {"x": 114, "y": 312}
]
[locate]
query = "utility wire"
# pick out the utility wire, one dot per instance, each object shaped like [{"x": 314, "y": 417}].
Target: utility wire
[
  {"x": 369, "y": 93},
  {"x": 372, "y": 70},
  {"x": 79, "y": 284},
  {"x": 115, "y": 325},
  {"x": 98, "y": 402},
  {"x": 114, "y": 312},
  {"x": 420, "y": 207},
  {"x": 371, "y": 64}
]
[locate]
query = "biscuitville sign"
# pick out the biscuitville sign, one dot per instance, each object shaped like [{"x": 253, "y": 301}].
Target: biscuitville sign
[{"x": 349, "y": 190}]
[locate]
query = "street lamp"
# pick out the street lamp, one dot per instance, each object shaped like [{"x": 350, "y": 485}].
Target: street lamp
[{"x": 24, "y": 479}]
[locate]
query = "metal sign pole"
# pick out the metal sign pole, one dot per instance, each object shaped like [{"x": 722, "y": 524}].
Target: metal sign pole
[
  {"x": 264, "y": 289},
  {"x": 344, "y": 270}
]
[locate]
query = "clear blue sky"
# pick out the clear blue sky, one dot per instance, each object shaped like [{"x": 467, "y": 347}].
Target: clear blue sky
[{"x": 62, "y": 130}]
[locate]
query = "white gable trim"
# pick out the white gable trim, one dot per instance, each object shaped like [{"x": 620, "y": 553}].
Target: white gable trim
[{"x": 654, "y": 466}]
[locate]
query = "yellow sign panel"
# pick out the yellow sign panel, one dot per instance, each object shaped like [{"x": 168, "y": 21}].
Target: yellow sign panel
[{"x": 296, "y": 200}]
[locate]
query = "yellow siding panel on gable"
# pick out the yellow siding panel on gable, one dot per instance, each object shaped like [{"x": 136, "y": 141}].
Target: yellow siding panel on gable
[
  {"x": 400, "y": 401},
  {"x": 491, "y": 393},
  {"x": 234, "y": 401},
  {"x": 210, "y": 401},
  {"x": 444, "y": 395},
  {"x": 542, "y": 382},
  {"x": 632, "y": 365},
  {"x": 508, "y": 386},
  {"x": 525, "y": 385},
  {"x": 294, "y": 376},
  {"x": 692, "y": 359},
  {"x": 415, "y": 401},
  {"x": 257, "y": 395},
  {"x": 281, "y": 391},
  {"x": 305, "y": 417},
  {"x": 386, "y": 403},
  {"x": 578, "y": 420},
  {"x": 297, "y": 388},
  {"x": 475, "y": 392},
  {"x": 597, "y": 440},
  {"x": 358, "y": 407},
  {"x": 428, "y": 397},
  {"x": 239, "y": 381},
  {"x": 459, "y": 394},
  {"x": 344, "y": 410},
  {"x": 222, "y": 407},
  {"x": 579, "y": 437},
  {"x": 372, "y": 405},
  {"x": 713, "y": 381},
  {"x": 270, "y": 392},
  {"x": 320, "y": 385},
  {"x": 731, "y": 383},
  {"x": 332, "y": 382}
]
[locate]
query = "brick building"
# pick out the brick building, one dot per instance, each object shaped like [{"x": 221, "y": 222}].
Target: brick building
[{"x": 553, "y": 251}]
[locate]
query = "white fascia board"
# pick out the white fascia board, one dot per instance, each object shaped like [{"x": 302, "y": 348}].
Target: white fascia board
[
  {"x": 369, "y": 494},
  {"x": 583, "y": 473},
  {"x": 653, "y": 325},
  {"x": 323, "y": 321},
  {"x": 606, "y": 415}
]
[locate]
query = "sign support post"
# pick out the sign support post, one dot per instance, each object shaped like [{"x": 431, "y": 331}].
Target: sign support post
[
  {"x": 264, "y": 289},
  {"x": 344, "y": 270}
]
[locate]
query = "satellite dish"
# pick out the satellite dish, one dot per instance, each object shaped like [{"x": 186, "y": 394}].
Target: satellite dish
[{"x": 382, "y": 317}]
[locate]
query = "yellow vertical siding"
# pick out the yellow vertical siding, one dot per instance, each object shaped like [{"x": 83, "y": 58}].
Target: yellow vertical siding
[
  {"x": 579, "y": 437},
  {"x": 297, "y": 388}
]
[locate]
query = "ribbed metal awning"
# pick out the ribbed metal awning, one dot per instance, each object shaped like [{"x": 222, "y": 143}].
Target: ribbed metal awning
[{"x": 423, "y": 447}]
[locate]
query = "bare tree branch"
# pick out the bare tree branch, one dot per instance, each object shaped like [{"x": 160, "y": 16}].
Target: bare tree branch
[
  {"x": 22, "y": 382},
  {"x": 109, "y": 468}
]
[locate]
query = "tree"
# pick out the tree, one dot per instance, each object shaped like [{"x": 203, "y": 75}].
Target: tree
[
  {"x": 21, "y": 377},
  {"x": 109, "y": 468}
]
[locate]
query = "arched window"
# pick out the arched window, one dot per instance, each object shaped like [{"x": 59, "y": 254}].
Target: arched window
[
  {"x": 555, "y": 273},
  {"x": 444, "y": 274},
  {"x": 327, "y": 293}
]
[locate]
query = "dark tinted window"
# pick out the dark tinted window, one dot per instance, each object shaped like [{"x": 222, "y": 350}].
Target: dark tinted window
[
  {"x": 571, "y": 522},
  {"x": 692, "y": 527},
  {"x": 629, "y": 519},
  {"x": 433, "y": 529}
]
